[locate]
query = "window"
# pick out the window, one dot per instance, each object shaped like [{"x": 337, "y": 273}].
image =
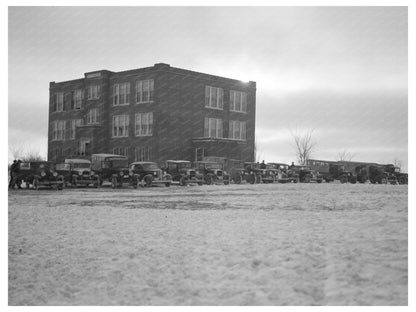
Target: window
[
  {"x": 238, "y": 101},
  {"x": 144, "y": 124},
  {"x": 144, "y": 91},
  {"x": 93, "y": 116},
  {"x": 143, "y": 153},
  {"x": 73, "y": 124},
  {"x": 213, "y": 128},
  {"x": 58, "y": 130},
  {"x": 120, "y": 126},
  {"x": 237, "y": 130},
  {"x": 58, "y": 102},
  {"x": 213, "y": 97},
  {"x": 121, "y": 151},
  {"x": 121, "y": 93},
  {"x": 94, "y": 92},
  {"x": 78, "y": 98}
]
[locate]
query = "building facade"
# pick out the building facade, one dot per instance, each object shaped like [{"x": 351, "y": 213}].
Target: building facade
[{"x": 154, "y": 113}]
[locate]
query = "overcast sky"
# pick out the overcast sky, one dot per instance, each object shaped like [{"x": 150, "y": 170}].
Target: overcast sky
[{"x": 342, "y": 71}]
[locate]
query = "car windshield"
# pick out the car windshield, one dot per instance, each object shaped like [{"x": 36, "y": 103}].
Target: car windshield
[
  {"x": 81, "y": 165},
  {"x": 150, "y": 166},
  {"x": 63, "y": 167},
  {"x": 212, "y": 166},
  {"x": 184, "y": 165}
]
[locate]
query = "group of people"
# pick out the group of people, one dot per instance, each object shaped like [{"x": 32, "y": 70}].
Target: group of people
[{"x": 14, "y": 174}]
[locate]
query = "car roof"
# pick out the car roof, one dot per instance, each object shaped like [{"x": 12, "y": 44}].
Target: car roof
[
  {"x": 77, "y": 161},
  {"x": 206, "y": 162},
  {"x": 178, "y": 161},
  {"x": 277, "y": 164},
  {"x": 109, "y": 155},
  {"x": 142, "y": 163}
]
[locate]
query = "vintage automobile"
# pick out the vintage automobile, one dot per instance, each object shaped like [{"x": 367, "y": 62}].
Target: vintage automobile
[
  {"x": 182, "y": 172},
  {"x": 148, "y": 173},
  {"x": 212, "y": 172},
  {"x": 78, "y": 172},
  {"x": 338, "y": 172},
  {"x": 41, "y": 174},
  {"x": 235, "y": 168},
  {"x": 284, "y": 174},
  {"x": 306, "y": 174},
  {"x": 252, "y": 173},
  {"x": 269, "y": 174},
  {"x": 114, "y": 169}
]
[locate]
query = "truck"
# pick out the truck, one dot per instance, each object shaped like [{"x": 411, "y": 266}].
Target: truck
[
  {"x": 114, "y": 169},
  {"x": 77, "y": 172}
]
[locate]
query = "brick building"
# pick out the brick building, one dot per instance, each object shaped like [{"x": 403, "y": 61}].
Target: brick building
[{"x": 154, "y": 113}]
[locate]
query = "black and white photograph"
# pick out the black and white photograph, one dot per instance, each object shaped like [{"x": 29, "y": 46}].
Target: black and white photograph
[{"x": 207, "y": 154}]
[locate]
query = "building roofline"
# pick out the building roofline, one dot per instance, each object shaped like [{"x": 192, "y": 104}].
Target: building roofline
[{"x": 157, "y": 67}]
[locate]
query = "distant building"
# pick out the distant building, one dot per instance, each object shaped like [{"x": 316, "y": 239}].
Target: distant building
[{"x": 154, "y": 113}]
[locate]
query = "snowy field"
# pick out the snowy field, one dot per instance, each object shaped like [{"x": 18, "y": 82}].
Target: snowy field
[{"x": 279, "y": 244}]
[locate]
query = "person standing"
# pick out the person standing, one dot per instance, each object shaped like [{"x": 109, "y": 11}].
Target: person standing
[
  {"x": 16, "y": 174},
  {"x": 12, "y": 169}
]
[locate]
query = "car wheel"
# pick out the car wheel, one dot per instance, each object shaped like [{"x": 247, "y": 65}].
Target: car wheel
[
  {"x": 259, "y": 179},
  {"x": 238, "y": 179},
  {"x": 148, "y": 181},
  {"x": 74, "y": 182},
  {"x": 343, "y": 179},
  {"x": 114, "y": 182},
  {"x": 208, "y": 180},
  {"x": 36, "y": 184},
  {"x": 182, "y": 181},
  {"x": 383, "y": 180}
]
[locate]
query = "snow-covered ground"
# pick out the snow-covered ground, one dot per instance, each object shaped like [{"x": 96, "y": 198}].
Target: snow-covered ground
[{"x": 279, "y": 244}]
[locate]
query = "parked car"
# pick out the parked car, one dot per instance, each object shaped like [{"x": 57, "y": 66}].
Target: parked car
[
  {"x": 212, "y": 172},
  {"x": 252, "y": 173},
  {"x": 181, "y": 171},
  {"x": 235, "y": 170},
  {"x": 78, "y": 172},
  {"x": 114, "y": 169},
  {"x": 269, "y": 174},
  {"x": 148, "y": 174},
  {"x": 40, "y": 173},
  {"x": 306, "y": 174},
  {"x": 44, "y": 175},
  {"x": 284, "y": 174}
]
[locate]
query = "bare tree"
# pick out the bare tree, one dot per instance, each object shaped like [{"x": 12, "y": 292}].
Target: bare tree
[
  {"x": 16, "y": 151},
  {"x": 32, "y": 156},
  {"x": 344, "y": 155},
  {"x": 23, "y": 153},
  {"x": 304, "y": 145},
  {"x": 397, "y": 163}
]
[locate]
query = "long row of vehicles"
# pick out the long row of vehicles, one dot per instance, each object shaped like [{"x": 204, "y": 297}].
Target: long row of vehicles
[{"x": 116, "y": 170}]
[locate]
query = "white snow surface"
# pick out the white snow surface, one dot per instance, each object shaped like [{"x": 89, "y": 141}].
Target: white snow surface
[{"x": 276, "y": 244}]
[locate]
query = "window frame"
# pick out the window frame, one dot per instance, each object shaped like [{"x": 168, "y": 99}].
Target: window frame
[
  {"x": 217, "y": 129},
  {"x": 94, "y": 92},
  {"x": 117, "y": 94},
  {"x": 116, "y": 125},
  {"x": 138, "y": 126},
  {"x": 209, "y": 97},
  {"x": 242, "y": 130},
  {"x": 140, "y": 91},
  {"x": 242, "y": 101}
]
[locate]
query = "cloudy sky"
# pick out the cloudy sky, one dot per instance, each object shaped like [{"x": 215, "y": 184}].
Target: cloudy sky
[{"x": 341, "y": 71}]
